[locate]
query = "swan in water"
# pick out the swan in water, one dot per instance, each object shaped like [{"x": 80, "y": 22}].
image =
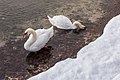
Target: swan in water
[
  {"x": 62, "y": 22},
  {"x": 37, "y": 39}
]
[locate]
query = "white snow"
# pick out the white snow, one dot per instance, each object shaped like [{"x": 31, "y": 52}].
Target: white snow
[{"x": 99, "y": 60}]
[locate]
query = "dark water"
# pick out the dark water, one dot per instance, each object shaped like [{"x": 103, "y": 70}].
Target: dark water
[{"x": 17, "y": 63}]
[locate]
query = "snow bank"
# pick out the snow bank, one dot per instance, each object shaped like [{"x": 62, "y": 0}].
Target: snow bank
[{"x": 100, "y": 60}]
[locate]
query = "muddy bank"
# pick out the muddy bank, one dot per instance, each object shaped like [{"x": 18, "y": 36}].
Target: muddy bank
[{"x": 15, "y": 62}]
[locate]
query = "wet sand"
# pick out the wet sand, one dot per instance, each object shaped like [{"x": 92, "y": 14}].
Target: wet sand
[{"x": 15, "y": 17}]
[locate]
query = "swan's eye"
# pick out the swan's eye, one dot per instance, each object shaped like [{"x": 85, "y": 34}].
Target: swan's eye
[{"x": 25, "y": 35}]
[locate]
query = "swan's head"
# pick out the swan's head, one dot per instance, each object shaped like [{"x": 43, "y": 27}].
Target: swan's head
[
  {"x": 27, "y": 32},
  {"x": 79, "y": 25}
]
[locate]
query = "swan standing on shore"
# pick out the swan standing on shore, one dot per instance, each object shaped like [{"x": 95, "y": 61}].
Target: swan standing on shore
[
  {"x": 37, "y": 39},
  {"x": 63, "y": 22}
]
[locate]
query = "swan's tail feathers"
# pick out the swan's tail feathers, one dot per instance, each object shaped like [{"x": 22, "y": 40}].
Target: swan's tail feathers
[
  {"x": 49, "y": 17},
  {"x": 51, "y": 20},
  {"x": 51, "y": 29}
]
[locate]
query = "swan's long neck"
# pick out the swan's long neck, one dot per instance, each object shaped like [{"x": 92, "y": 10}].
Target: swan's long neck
[
  {"x": 31, "y": 40},
  {"x": 77, "y": 24},
  {"x": 34, "y": 35}
]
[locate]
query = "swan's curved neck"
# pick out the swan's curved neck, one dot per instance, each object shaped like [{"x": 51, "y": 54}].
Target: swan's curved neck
[
  {"x": 34, "y": 35},
  {"x": 31, "y": 40},
  {"x": 78, "y": 25}
]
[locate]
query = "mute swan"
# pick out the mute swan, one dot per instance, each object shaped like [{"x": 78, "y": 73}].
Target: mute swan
[
  {"x": 37, "y": 39},
  {"x": 63, "y": 22}
]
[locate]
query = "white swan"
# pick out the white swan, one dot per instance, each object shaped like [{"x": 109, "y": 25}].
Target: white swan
[
  {"x": 37, "y": 39},
  {"x": 63, "y": 22}
]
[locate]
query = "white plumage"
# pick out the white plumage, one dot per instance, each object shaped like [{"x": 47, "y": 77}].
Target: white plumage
[
  {"x": 38, "y": 38},
  {"x": 62, "y": 22}
]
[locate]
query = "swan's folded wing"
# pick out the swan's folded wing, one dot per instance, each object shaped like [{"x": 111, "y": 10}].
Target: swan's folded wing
[
  {"x": 62, "y": 22},
  {"x": 40, "y": 31},
  {"x": 40, "y": 42}
]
